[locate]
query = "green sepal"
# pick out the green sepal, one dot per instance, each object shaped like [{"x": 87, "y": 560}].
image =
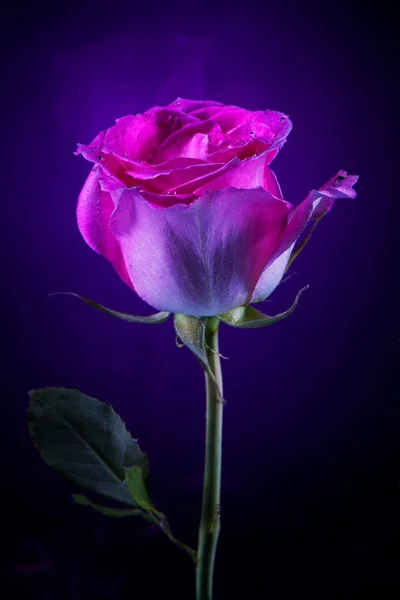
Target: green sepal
[
  {"x": 192, "y": 333},
  {"x": 111, "y": 512},
  {"x": 155, "y": 319},
  {"x": 248, "y": 317},
  {"x": 85, "y": 440}
]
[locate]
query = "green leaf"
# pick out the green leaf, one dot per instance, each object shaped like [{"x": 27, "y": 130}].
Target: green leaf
[
  {"x": 85, "y": 440},
  {"x": 247, "y": 317},
  {"x": 154, "y": 319},
  {"x": 108, "y": 511},
  {"x": 136, "y": 482},
  {"x": 192, "y": 332}
]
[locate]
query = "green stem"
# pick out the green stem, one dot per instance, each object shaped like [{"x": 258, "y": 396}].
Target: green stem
[{"x": 210, "y": 521}]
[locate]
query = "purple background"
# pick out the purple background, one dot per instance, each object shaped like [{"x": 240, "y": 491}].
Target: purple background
[{"x": 311, "y": 446}]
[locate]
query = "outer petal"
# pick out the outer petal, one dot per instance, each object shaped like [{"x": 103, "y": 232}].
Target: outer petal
[
  {"x": 317, "y": 201},
  {"x": 271, "y": 276},
  {"x": 203, "y": 259},
  {"x": 94, "y": 210},
  {"x": 339, "y": 186}
]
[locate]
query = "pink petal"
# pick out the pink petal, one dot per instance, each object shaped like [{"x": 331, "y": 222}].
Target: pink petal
[
  {"x": 275, "y": 267},
  {"x": 262, "y": 133},
  {"x": 185, "y": 180},
  {"x": 138, "y": 137},
  {"x": 188, "y": 106},
  {"x": 247, "y": 174},
  {"x": 93, "y": 213},
  {"x": 339, "y": 186},
  {"x": 190, "y": 141},
  {"x": 142, "y": 170},
  {"x": 113, "y": 168},
  {"x": 317, "y": 201},
  {"x": 271, "y": 276},
  {"x": 202, "y": 259}
]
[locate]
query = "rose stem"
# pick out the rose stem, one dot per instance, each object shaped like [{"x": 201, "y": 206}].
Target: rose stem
[{"x": 210, "y": 520}]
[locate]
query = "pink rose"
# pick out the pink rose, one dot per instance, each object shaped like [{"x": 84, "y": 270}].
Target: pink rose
[{"x": 182, "y": 202}]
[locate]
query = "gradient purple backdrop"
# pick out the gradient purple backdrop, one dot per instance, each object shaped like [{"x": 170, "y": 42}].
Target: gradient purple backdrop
[{"x": 310, "y": 474}]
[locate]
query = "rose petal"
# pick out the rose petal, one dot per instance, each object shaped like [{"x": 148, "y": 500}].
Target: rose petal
[
  {"x": 202, "y": 259},
  {"x": 339, "y": 186},
  {"x": 143, "y": 171},
  {"x": 317, "y": 201},
  {"x": 188, "y": 106},
  {"x": 138, "y": 137},
  {"x": 271, "y": 276},
  {"x": 262, "y": 132},
  {"x": 185, "y": 180},
  {"x": 248, "y": 174},
  {"x": 93, "y": 213},
  {"x": 113, "y": 168},
  {"x": 166, "y": 200},
  {"x": 190, "y": 141}
]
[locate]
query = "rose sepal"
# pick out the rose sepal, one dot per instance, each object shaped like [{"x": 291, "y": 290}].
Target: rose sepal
[
  {"x": 154, "y": 319},
  {"x": 248, "y": 317}
]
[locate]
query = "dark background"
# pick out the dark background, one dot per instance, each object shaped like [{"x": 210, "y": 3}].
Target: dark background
[{"x": 310, "y": 498}]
